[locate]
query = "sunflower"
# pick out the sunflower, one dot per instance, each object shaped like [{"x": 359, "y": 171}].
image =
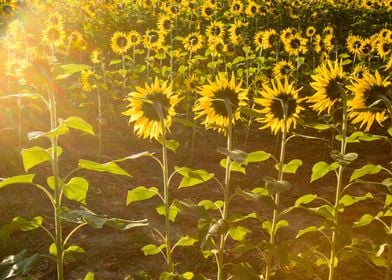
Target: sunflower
[
  {"x": 283, "y": 69},
  {"x": 354, "y": 44},
  {"x": 39, "y": 72},
  {"x": 270, "y": 38},
  {"x": 191, "y": 82},
  {"x": 120, "y": 42},
  {"x": 329, "y": 42},
  {"x": 360, "y": 70},
  {"x": 328, "y": 30},
  {"x": 217, "y": 47},
  {"x": 96, "y": 56},
  {"x": 77, "y": 41},
  {"x": 273, "y": 100},
  {"x": 369, "y": 93},
  {"x": 215, "y": 30},
  {"x": 236, "y": 7},
  {"x": 258, "y": 40},
  {"x": 252, "y": 8},
  {"x": 88, "y": 79},
  {"x": 134, "y": 38},
  {"x": 215, "y": 99},
  {"x": 235, "y": 32},
  {"x": 329, "y": 80},
  {"x": 54, "y": 35},
  {"x": 55, "y": 19},
  {"x": 388, "y": 5},
  {"x": 295, "y": 45},
  {"x": 310, "y": 31},
  {"x": 193, "y": 42},
  {"x": 151, "y": 105},
  {"x": 317, "y": 43},
  {"x": 7, "y": 8},
  {"x": 208, "y": 11},
  {"x": 287, "y": 33},
  {"x": 384, "y": 48},
  {"x": 165, "y": 23},
  {"x": 153, "y": 39},
  {"x": 366, "y": 47}
]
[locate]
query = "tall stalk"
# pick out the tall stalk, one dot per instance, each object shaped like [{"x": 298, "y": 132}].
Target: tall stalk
[
  {"x": 275, "y": 215},
  {"x": 57, "y": 187},
  {"x": 338, "y": 194},
  {"x": 226, "y": 194}
]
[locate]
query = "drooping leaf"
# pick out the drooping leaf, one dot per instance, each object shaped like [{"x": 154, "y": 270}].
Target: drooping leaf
[
  {"x": 245, "y": 271},
  {"x": 89, "y": 276},
  {"x": 170, "y": 144},
  {"x": 110, "y": 167},
  {"x": 308, "y": 230},
  {"x": 274, "y": 186},
  {"x": 141, "y": 193},
  {"x": 19, "y": 179},
  {"x": 69, "y": 69},
  {"x": 368, "y": 169},
  {"x": 185, "y": 241},
  {"x": 325, "y": 211},
  {"x": 358, "y": 136},
  {"x": 321, "y": 168},
  {"x": 345, "y": 159},
  {"x": 19, "y": 224},
  {"x": 79, "y": 124},
  {"x": 151, "y": 249},
  {"x": 348, "y": 200},
  {"x": 235, "y": 218},
  {"x": 17, "y": 265},
  {"x": 34, "y": 156},
  {"x": 211, "y": 205},
  {"x": 235, "y": 166},
  {"x": 238, "y": 233},
  {"x": 173, "y": 211},
  {"x": 319, "y": 126},
  {"x": 364, "y": 220},
  {"x": 192, "y": 177},
  {"x": 253, "y": 195},
  {"x": 188, "y": 207},
  {"x": 258, "y": 156},
  {"x": 305, "y": 199},
  {"x": 76, "y": 189},
  {"x": 238, "y": 156},
  {"x": 134, "y": 156}
]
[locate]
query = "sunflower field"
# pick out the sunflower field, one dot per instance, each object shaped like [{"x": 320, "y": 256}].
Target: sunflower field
[{"x": 196, "y": 139}]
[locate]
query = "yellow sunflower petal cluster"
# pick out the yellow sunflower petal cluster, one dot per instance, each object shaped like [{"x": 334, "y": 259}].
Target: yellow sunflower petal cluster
[
  {"x": 217, "y": 98},
  {"x": 88, "y": 79},
  {"x": 151, "y": 109},
  {"x": 368, "y": 104},
  {"x": 328, "y": 81},
  {"x": 193, "y": 42},
  {"x": 280, "y": 102},
  {"x": 120, "y": 42}
]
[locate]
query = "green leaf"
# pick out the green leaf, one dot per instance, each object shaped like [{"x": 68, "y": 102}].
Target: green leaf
[
  {"x": 89, "y": 276},
  {"x": 188, "y": 207},
  {"x": 34, "y": 156},
  {"x": 258, "y": 156},
  {"x": 254, "y": 195},
  {"x": 238, "y": 233},
  {"x": 188, "y": 275},
  {"x": 320, "y": 169},
  {"x": 141, "y": 193},
  {"x": 69, "y": 253},
  {"x": 235, "y": 166},
  {"x": 281, "y": 224},
  {"x": 364, "y": 220},
  {"x": 305, "y": 199},
  {"x": 110, "y": 167},
  {"x": 134, "y": 156},
  {"x": 69, "y": 69},
  {"x": 390, "y": 130},
  {"x": 170, "y": 144},
  {"x": 151, "y": 249},
  {"x": 173, "y": 211},
  {"x": 319, "y": 126},
  {"x": 267, "y": 226},
  {"x": 19, "y": 224},
  {"x": 348, "y": 200},
  {"x": 292, "y": 166},
  {"x": 345, "y": 159},
  {"x": 192, "y": 177},
  {"x": 19, "y": 179},
  {"x": 245, "y": 271},
  {"x": 17, "y": 265},
  {"x": 358, "y": 136},
  {"x": 308, "y": 230},
  {"x": 186, "y": 241},
  {"x": 211, "y": 205},
  {"x": 238, "y": 156},
  {"x": 76, "y": 189},
  {"x": 167, "y": 276},
  {"x": 220, "y": 227},
  {"x": 79, "y": 124},
  {"x": 368, "y": 169},
  {"x": 325, "y": 211}
]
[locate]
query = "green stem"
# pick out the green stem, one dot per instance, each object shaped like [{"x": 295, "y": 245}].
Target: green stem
[
  {"x": 276, "y": 212},
  {"x": 338, "y": 194},
  {"x": 57, "y": 188},
  {"x": 99, "y": 124},
  {"x": 226, "y": 195}
]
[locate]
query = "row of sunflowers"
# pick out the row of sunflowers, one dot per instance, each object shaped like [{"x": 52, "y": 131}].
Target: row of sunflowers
[{"x": 217, "y": 65}]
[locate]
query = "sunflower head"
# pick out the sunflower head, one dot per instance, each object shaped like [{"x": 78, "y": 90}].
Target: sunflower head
[
  {"x": 120, "y": 42},
  {"x": 220, "y": 101},
  {"x": 96, "y": 56},
  {"x": 193, "y": 42},
  {"x": 54, "y": 35},
  {"x": 328, "y": 82},
  {"x": 151, "y": 109},
  {"x": 89, "y": 80},
  {"x": 280, "y": 105},
  {"x": 372, "y": 96}
]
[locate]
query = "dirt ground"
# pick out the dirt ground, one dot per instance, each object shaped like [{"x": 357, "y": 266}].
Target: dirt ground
[{"x": 113, "y": 254}]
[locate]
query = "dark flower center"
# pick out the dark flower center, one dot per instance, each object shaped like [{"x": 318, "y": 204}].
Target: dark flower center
[
  {"x": 121, "y": 41},
  {"x": 236, "y": 7},
  {"x": 366, "y": 48},
  {"x": 357, "y": 44},
  {"x": 253, "y": 9},
  {"x": 167, "y": 24},
  {"x": 216, "y": 30},
  {"x": 272, "y": 39},
  {"x": 7, "y": 9},
  {"x": 277, "y": 105},
  {"x": 159, "y": 100},
  {"x": 193, "y": 40},
  {"x": 174, "y": 10},
  {"x": 208, "y": 11},
  {"x": 295, "y": 43},
  {"x": 333, "y": 88},
  {"x": 134, "y": 38},
  {"x": 285, "y": 70},
  {"x": 153, "y": 37},
  {"x": 53, "y": 34},
  {"x": 222, "y": 97},
  {"x": 374, "y": 94}
]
